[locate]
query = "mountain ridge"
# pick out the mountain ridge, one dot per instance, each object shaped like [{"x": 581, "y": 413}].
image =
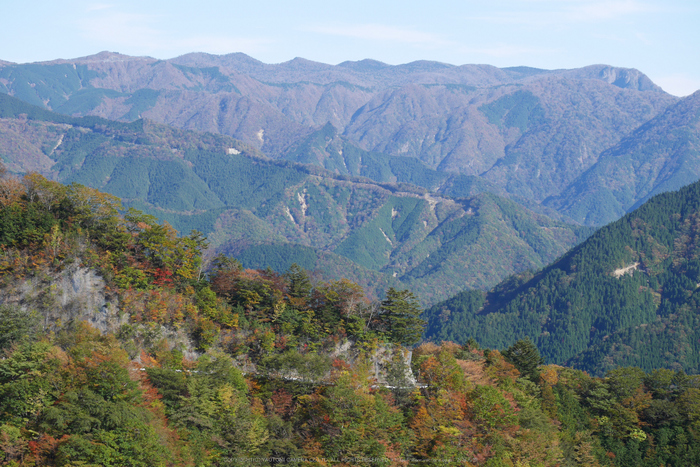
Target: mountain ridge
[
  {"x": 248, "y": 203},
  {"x": 627, "y": 291},
  {"x": 658, "y": 156},
  {"x": 433, "y": 112}
]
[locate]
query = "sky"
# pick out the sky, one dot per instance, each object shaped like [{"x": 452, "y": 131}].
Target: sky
[{"x": 661, "y": 38}]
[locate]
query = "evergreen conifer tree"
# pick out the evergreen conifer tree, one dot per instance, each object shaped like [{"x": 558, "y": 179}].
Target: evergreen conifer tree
[
  {"x": 401, "y": 313},
  {"x": 299, "y": 282},
  {"x": 525, "y": 357}
]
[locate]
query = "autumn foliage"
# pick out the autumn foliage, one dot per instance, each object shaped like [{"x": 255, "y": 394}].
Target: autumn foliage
[{"x": 214, "y": 364}]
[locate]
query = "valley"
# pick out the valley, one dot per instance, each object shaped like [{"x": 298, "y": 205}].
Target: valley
[
  {"x": 210, "y": 259},
  {"x": 378, "y": 234},
  {"x": 526, "y": 132}
]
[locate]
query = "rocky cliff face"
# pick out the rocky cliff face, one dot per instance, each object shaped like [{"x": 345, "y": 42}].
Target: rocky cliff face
[
  {"x": 74, "y": 294},
  {"x": 79, "y": 294}
]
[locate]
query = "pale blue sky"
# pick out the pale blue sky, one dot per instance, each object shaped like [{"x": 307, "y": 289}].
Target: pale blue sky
[{"x": 660, "y": 38}]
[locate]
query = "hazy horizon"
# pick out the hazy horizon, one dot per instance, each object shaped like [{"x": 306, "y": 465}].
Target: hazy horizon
[{"x": 658, "y": 38}]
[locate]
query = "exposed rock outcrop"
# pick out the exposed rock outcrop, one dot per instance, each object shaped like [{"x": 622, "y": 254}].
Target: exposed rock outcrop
[{"x": 73, "y": 294}]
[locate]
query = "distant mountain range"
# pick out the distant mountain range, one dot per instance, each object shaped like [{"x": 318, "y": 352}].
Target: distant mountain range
[
  {"x": 273, "y": 213},
  {"x": 661, "y": 155},
  {"x": 532, "y": 134}
]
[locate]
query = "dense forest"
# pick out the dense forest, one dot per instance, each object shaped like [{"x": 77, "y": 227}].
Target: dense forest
[
  {"x": 214, "y": 364},
  {"x": 626, "y": 296},
  {"x": 273, "y": 213}
]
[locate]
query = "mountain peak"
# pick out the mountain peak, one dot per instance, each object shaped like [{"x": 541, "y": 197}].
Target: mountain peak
[
  {"x": 237, "y": 60},
  {"x": 103, "y": 57},
  {"x": 366, "y": 65},
  {"x": 626, "y": 78},
  {"x": 106, "y": 56},
  {"x": 524, "y": 71},
  {"x": 424, "y": 65},
  {"x": 299, "y": 63}
]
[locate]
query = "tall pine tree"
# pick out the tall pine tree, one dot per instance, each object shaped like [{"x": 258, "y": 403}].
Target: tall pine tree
[
  {"x": 525, "y": 357},
  {"x": 400, "y": 312}
]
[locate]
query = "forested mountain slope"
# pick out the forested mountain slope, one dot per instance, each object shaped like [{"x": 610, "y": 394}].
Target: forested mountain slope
[
  {"x": 661, "y": 155},
  {"x": 255, "y": 208},
  {"x": 529, "y": 132},
  {"x": 118, "y": 350},
  {"x": 626, "y": 296},
  {"x": 161, "y": 383}
]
